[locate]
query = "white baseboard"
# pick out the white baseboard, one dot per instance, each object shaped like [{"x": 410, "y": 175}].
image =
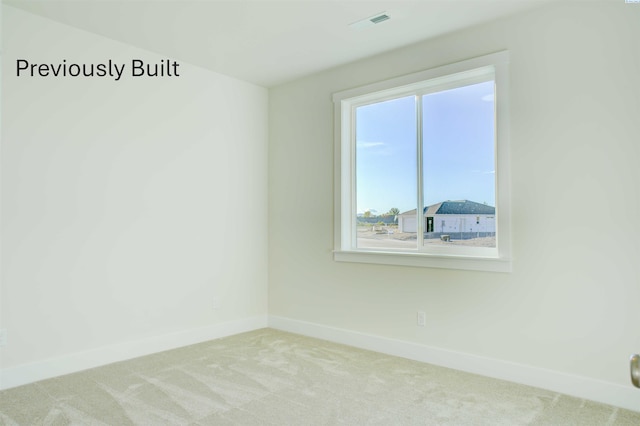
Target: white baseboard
[
  {"x": 71, "y": 363},
  {"x": 582, "y": 387}
]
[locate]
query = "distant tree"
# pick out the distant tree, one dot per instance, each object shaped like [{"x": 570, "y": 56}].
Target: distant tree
[
  {"x": 394, "y": 212},
  {"x": 367, "y": 214}
]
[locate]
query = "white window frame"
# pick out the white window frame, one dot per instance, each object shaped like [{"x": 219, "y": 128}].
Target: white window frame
[{"x": 448, "y": 76}]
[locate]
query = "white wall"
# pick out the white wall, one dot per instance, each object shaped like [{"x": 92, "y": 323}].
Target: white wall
[
  {"x": 129, "y": 208},
  {"x": 464, "y": 223},
  {"x": 571, "y": 304},
  {"x": 452, "y": 223}
]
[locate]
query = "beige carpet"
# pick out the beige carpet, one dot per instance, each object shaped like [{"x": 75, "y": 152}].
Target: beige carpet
[{"x": 268, "y": 377}]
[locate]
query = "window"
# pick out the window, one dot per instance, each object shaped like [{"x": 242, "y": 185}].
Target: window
[{"x": 422, "y": 169}]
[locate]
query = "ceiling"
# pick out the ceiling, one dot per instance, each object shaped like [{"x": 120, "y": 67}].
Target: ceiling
[{"x": 270, "y": 42}]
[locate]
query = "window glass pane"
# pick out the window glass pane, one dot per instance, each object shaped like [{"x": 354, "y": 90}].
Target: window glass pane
[
  {"x": 458, "y": 132},
  {"x": 386, "y": 172}
]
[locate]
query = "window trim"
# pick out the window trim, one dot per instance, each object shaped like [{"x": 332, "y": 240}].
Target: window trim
[{"x": 434, "y": 79}]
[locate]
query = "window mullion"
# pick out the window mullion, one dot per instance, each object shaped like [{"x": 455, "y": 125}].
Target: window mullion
[{"x": 420, "y": 197}]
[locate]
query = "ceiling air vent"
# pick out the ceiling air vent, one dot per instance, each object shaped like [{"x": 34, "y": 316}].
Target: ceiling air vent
[
  {"x": 370, "y": 21},
  {"x": 379, "y": 18}
]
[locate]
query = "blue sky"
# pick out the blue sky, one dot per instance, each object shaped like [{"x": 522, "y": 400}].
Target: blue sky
[{"x": 458, "y": 149}]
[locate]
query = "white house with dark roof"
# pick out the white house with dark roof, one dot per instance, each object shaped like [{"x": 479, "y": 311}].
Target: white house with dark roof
[{"x": 449, "y": 217}]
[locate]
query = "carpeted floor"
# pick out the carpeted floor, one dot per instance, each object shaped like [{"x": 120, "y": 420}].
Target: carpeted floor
[{"x": 268, "y": 377}]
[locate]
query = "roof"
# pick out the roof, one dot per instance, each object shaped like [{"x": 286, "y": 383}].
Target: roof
[{"x": 455, "y": 207}]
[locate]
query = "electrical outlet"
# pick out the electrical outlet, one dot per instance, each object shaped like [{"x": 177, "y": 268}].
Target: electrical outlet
[
  {"x": 3, "y": 337},
  {"x": 422, "y": 318}
]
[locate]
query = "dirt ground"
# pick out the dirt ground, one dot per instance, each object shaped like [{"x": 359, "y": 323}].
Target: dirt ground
[{"x": 390, "y": 238}]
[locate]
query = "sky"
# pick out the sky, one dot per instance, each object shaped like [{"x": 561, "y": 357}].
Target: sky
[{"x": 458, "y": 149}]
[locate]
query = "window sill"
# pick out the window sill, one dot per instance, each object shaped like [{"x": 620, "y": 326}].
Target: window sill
[{"x": 425, "y": 260}]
